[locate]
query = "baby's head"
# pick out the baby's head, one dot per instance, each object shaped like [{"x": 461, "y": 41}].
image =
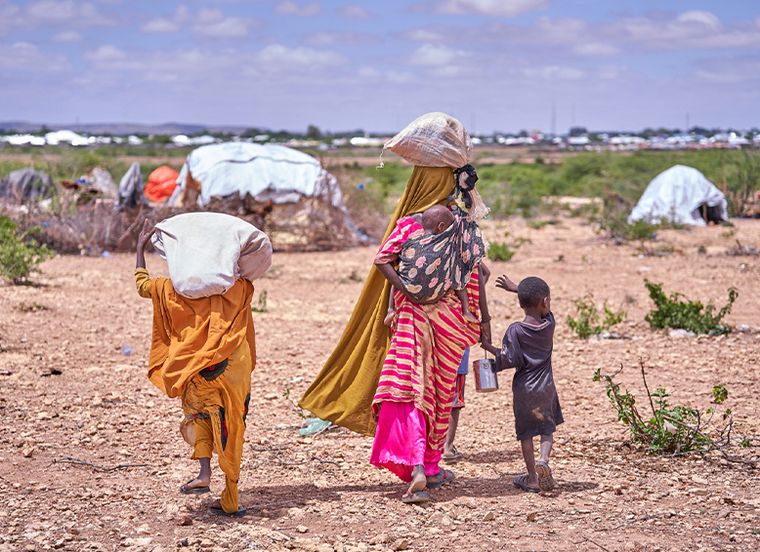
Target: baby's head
[
  {"x": 534, "y": 296},
  {"x": 436, "y": 219}
]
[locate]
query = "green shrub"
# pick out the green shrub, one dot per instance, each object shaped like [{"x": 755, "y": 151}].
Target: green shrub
[
  {"x": 675, "y": 311},
  {"x": 671, "y": 429},
  {"x": 20, "y": 254},
  {"x": 591, "y": 320},
  {"x": 498, "y": 251},
  {"x": 261, "y": 303}
]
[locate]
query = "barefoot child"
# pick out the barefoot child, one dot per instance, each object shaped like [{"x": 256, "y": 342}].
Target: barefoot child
[
  {"x": 527, "y": 347},
  {"x": 421, "y": 256}
]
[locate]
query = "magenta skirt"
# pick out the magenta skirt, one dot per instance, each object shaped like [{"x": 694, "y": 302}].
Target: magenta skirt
[{"x": 401, "y": 441}]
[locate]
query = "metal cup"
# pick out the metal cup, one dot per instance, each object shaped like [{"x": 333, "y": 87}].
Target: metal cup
[{"x": 485, "y": 375}]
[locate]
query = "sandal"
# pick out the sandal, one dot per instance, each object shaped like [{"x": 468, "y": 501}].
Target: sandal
[
  {"x": 444, "y": 477},
  {"x": 545, "y": 480},
  {"x": 187, "y": 490},
  {"x": 521, "y": 482},
  {"x": 219, "y": 511},
  {"x": 417, "y": 497},
  {"x": 452, "y": 457}
]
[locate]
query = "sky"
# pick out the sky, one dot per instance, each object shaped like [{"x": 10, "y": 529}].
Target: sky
[{"x": 498, "y": 65}]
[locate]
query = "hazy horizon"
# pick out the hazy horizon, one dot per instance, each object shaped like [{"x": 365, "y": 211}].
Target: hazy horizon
[{"x": 498, "y": 65}]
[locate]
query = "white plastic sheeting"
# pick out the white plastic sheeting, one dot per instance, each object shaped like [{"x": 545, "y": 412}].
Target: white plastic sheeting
[
  {"x": 675, "y": 196},
  {"x": 207, "y": 252},
  {"x": 265, "y": 172}
]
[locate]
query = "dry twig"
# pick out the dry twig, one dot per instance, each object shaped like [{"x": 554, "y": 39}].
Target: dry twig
[{"x": 96, "y": 467}]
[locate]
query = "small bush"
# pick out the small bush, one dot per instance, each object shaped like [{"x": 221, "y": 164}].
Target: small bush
[
  {"x": 20, "y": 254},
  {"x": 498, "y": 251},
  {"x": 612, "y": 221},
  {"x": 672, "y": 429},
  {"x": 591, "y": 320},
  {"x": 261, "y": 303},
  {"x": 675, "y": 311}
]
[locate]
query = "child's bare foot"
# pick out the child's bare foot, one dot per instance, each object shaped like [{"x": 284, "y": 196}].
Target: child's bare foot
[
  {"x": 196, "y": 486},
  {"x": 545, "y": 480},
  {"x": 389, "y": 318},
  {"x": 469, "y": 317}
]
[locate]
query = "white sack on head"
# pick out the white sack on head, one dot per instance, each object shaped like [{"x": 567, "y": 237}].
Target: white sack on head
[
  {"x": 208, "y": 252},
  {"x": 433, "y": 140}
]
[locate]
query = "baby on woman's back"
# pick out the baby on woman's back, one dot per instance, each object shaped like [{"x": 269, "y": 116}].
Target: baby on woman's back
[{"x": 425, "y": 263}]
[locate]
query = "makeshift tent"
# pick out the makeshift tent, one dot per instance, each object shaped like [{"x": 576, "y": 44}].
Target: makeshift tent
[
  {"x": 265, "y": 172},
  {"x": 131, "y": 188},
  {"x": 97, "y": 183},
  {"x": 301, "y": 203},
  {"x": 161, "y": 184},
  {"x": 680, "y": 195},
  {"x": 26, "y": 185}
]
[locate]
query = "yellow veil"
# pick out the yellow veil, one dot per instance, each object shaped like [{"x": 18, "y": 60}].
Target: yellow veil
[{"x": 342, "y": 392}]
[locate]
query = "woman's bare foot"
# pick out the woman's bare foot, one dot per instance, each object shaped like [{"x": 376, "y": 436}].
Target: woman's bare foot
[{"x": 417, "y": 491}]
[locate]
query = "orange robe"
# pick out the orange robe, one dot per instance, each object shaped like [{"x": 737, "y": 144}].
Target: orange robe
[{"x": 204, "y": 351}]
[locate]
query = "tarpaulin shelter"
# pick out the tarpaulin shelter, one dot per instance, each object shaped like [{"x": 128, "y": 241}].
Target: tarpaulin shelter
[
  {"x": 302, "y": 202},
  {"x": 681, "y": 195},
  {"x": 161, "y": 184},
  {"x": 131, "y": 188},
  {"x": 26, "y": 186},
  {"x": 264, "y": 172}
]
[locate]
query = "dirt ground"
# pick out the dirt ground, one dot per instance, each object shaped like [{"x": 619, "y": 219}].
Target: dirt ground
[{"x": 73, "y": 380}]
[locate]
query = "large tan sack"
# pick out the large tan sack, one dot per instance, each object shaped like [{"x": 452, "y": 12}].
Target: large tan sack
[
  {"x": 433, "y": 140},
  {"x": 208, "y": 252}
]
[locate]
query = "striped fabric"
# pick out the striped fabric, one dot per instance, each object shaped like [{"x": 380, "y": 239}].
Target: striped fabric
[{"x": 427, "y": 345}]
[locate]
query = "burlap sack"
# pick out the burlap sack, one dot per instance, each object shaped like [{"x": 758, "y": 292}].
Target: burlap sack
[
  {"x": 208, "y": 252},
  {"x": 433, "y": 140}
]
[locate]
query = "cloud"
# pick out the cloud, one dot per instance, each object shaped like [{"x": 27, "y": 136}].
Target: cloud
[
  {"x": 500, "y": 8},
  {"x": 277, "y": 57},
  {"x": 433, "y": 55},
  {"x": 49, "y": 14},
  {"x": 595, "y": 49},
  {"x": 83, "y": 14},
  {"x": 105, "y": 54},
  {"x": 302, "y": 10},
  {"x": 325, "y": 38},
  {"x": 732, "y": 70},
  {"x": 423, "y": 35},
  {"x": 109, "y": 64},
  {"x": 554, "y": 72},
  {"x": 353, "y": 11},
  {"x": 393, "y": 77},
  {"x": 28, "y": 57},
  {"x": 694, "y": 29},
  {"x": 229, "y": 27},
  {"x": 160, "y": 25},
  {"x": 207, "y": 22},
  {"x": 67, "y": 36}
]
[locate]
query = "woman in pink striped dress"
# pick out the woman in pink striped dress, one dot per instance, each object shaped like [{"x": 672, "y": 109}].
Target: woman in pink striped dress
[{"x": 413, "y": 400}]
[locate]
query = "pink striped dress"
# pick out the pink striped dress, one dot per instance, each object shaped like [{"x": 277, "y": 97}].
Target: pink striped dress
[{"x": 413, "y": 400}]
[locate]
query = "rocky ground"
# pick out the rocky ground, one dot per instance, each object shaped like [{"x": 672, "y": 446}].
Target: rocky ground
[{"x": 72, "y": 372}]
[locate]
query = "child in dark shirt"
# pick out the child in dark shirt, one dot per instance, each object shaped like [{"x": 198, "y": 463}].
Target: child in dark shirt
[{"x": 527, "y": 347}]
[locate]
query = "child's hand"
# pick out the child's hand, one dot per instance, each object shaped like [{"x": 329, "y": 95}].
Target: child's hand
[
  {"x": 388, "y": 321},
  {"x": 146, "y": 232},
  {"x": 506, "y": 284}
]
